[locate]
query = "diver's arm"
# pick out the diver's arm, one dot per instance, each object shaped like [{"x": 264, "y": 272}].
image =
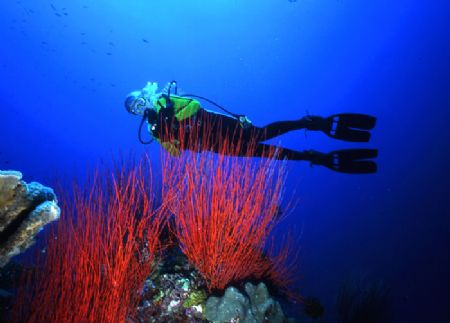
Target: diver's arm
[{"x": 172, "y": 147}]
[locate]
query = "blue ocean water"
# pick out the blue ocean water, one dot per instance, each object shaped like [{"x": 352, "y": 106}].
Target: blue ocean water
[{"x": 66, "y": 67}]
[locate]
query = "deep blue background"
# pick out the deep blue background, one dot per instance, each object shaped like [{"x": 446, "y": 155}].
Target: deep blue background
[{"x": 66, "y": 67}]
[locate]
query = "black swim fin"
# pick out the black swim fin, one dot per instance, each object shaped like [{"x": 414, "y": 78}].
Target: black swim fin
[
  {"x": 344, "y": 126},
  {"x": 350, "y": 161}
]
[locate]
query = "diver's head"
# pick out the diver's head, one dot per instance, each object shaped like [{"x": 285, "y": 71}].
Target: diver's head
[{"x": 136, "y": 103}]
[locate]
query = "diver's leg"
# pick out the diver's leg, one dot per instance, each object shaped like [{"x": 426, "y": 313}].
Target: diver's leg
[
  {"x": 225, "y": 131},
  {"x": 264, "y": 150},
  {"x": 278, "y": 128},
  {"x": 227, "y": 126},
  {"x": 250, "y": 148},
  {"x": 345, "y": 126}
]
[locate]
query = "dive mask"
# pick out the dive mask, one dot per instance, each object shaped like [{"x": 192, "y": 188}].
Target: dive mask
[{"x": 136, "y": 104}]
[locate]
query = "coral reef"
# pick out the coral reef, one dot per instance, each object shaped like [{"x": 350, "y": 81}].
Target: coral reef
[
  {"x": 24, "y": 210},
  {"x": 112, "y": 261},
  {"x": 102, "y": 251},
  {"x": 175, "y": 292},
  {"x": 236, "y": 307},
  {"x": 195, "y": 298},
  {"x": 225, "y": 209}
]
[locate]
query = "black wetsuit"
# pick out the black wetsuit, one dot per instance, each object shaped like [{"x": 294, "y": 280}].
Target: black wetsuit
[{"x": 213, "y": 129}]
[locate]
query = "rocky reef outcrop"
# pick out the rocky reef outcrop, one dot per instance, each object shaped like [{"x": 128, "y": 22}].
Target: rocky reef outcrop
[
  {"x": 176, "y": 292},
  {"x": 24, "y": 210},
  {"x": 256, "y": 306}
]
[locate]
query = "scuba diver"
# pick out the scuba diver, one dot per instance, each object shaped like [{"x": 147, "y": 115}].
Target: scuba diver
[{"x": 169, "y": 114}]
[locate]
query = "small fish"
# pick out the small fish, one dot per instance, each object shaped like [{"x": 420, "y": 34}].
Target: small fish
[
  {"x": 108, "y": 53},
  {"x": 58, "y": 14},
  {"x": 111, "y": 44},
  {"x": 145, "y": 40},
  {"x": 53, "y": 6},
  {"x": 65, "y": 14}
]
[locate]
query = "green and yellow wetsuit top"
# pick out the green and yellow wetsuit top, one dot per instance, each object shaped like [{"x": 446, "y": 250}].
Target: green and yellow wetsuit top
[{"x": 183, "y": 109}]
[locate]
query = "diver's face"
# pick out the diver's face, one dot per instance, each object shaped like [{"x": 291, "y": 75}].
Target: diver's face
[{"x": 137, "y": 104}]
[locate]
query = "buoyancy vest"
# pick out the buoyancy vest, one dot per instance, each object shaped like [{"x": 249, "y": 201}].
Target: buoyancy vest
[{"x": 183, "y": 108}]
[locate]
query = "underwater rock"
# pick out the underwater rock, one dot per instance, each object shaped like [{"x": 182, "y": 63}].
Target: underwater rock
[
  {"x": 24, "y": 210},
  {"x": 9, "y": 180},
  {"x": 234, "y": 306},
  {"x": 263, "y": 306}
]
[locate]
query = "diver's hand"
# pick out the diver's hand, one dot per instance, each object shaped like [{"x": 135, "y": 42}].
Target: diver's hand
[
  {"x": 244, "y": 121},
  {"x": 150, "y": 88}
]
